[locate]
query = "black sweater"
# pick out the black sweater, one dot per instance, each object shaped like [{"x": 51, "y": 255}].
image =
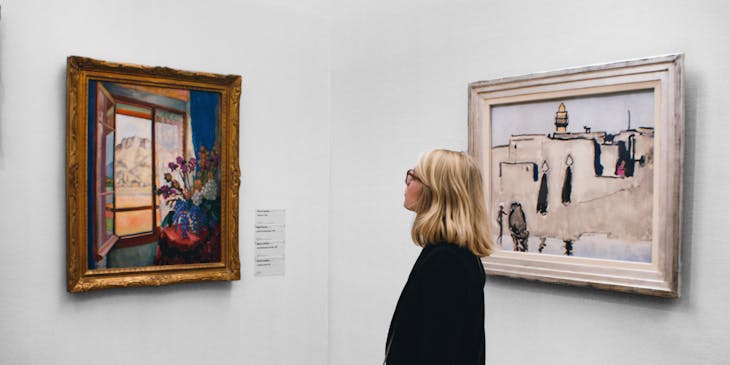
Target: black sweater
[{"x": 439, "y": 318}]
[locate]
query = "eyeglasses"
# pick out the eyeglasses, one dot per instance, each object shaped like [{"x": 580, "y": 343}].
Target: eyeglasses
[{"x": 410, "y": 176}]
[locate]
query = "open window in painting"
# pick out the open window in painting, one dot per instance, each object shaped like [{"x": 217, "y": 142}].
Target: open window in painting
[{"x": 139, "y": 132}]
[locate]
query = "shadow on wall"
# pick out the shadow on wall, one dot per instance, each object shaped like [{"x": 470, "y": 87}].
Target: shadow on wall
[
  {"x": 2, "y": 93},
  {"x": 693, "y": 83}
]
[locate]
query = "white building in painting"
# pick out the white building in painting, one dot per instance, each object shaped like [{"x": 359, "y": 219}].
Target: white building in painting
[{"x": 574, "y": 184}]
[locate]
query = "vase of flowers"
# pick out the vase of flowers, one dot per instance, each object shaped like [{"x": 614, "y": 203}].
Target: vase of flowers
[{"x": 191, "y": 191}]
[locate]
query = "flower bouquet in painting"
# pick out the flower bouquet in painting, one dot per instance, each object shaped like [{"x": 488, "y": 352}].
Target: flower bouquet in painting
[{"x": 191, "y": 205}]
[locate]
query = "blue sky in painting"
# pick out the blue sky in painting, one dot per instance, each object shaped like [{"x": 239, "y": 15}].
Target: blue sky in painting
[
  {"x": 128, "y": 126},
  {"x": 606, "y": 113}
]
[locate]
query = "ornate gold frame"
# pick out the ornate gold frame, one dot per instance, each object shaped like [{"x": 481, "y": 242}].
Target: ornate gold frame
[
  {"x": 78, "y": 73},
  {"x": 665, "y": 76}
]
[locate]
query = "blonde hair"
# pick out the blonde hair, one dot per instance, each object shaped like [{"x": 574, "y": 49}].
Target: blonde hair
[{"x": 451, "y": 205}]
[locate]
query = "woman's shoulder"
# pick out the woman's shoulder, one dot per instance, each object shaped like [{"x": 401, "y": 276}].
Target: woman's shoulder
[
  {"x": 449, "y": 250},
  {"x": 445, "y": 255}
]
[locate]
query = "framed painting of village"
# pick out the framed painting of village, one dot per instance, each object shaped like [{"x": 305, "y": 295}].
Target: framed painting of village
[
  {"x": 582, "y": 173},
  {"x": 152, "y": 175}
]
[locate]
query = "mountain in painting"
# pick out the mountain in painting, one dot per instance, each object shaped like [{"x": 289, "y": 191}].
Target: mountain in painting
[{"x": 133, "y": 162}]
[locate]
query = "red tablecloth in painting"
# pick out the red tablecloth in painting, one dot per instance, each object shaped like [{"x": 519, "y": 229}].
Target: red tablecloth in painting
[{"x": 203, "y": 247}]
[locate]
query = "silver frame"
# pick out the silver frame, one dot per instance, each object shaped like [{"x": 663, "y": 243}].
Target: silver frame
[{"x": 665, "y": 74}]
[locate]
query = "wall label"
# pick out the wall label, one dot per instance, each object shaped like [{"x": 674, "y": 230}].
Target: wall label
[{"x": 270, "y": 226}]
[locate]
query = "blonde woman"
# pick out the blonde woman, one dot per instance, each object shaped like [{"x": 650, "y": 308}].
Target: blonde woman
[{"x": 439, "y": 318}]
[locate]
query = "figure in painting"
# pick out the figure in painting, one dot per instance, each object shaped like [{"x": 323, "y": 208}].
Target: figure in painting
[
  {"x": 568, "y": 182},
  {"x": 518, "y": 227},
  {"x": 568, "y": 247},
  {"x": 621, "y": 169},
  {"x": 500, "y": 221},
  {"x": 542, "y": 195},
  {"x": 543, "y": 244}
]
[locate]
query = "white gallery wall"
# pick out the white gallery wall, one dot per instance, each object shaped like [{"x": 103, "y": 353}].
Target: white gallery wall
[
  {"x": 281, "y": 48},
  {"x": 339, "y": 99},
  {"x": 400, "y": 71}
]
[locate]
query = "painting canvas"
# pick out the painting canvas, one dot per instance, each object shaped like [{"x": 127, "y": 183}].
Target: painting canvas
[
  {"x": 574, "y": 176},
  {"x": 575, "y": 165},
  {"x": 155, "y": 162}
]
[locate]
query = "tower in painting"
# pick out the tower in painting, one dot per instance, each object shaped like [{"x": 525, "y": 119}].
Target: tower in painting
[{"x": 561, "y": 119}]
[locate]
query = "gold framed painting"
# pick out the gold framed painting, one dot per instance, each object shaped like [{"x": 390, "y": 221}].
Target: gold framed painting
[
  {"x": 152, "y": 175},
  {"x": 583, "y": 173}
]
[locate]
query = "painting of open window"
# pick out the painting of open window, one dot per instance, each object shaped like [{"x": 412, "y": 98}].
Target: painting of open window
[
  {"x": 582, "y": 173},
  {"x": 153, "y": 186}
]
